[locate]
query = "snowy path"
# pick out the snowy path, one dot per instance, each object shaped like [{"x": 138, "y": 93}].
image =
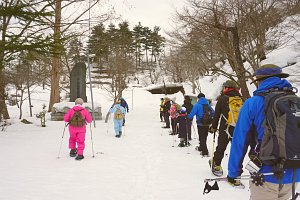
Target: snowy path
[{"x": 142, "y": 165}]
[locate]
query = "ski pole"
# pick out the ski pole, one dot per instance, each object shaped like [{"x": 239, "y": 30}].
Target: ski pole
[
  {"x": 212, "y": 152},
  {"x": 194, "y": 130},
  {"x": 187, "y": 136},
  {"x": 92, "y": 140},
  {"x": 62, "y": 140},
  {"x": 108, "y": 124}
]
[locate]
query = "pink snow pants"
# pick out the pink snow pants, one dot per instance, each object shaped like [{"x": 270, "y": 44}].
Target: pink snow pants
[{"x": 77, "y": 136}]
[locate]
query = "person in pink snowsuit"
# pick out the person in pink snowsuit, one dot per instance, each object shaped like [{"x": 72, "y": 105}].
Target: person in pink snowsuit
[{"x": 77, "y": 134}]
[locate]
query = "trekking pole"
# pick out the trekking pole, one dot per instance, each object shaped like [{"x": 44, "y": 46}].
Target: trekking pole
[
  {"x": 62, "y": 140},
  {"x": 108, "y": 124},
  {"x": 92, "y": 140},
  {"x": 212, "y": 152},
  {"x": 194, "y": 130},
  {"x": 187, "y": 137}
]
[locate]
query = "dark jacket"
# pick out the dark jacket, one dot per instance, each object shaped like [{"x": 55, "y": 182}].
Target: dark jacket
[
  {"x": 167, "y": 106},
  {"x": 188, "y": 105},
  {"x": 252, "y": 114},
  {"x": 182, "y": 128},
  {"x": 125, "y": 105},
  {"x": 222, "y": 109}
]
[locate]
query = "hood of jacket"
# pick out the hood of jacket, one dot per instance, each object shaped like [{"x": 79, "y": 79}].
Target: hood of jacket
[
  {"x": 78, "y": 108},
  {"x": 272, "y": 82}
]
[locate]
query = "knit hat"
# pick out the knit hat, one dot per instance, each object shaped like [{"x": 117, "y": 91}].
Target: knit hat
[
  {"x": 79, "y": 101},
  {"x": 269, "y": 70},
  {"x": 187, "y": 98},
  {"x": 161, "y": 98},
  {"x": 200, "y": 95},
  {"x": 183, "y": 110},
  {"x": 230, "y": 84}
]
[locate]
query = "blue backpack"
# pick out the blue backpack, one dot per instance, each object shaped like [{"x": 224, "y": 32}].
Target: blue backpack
[{"x": 280, "y": 145}]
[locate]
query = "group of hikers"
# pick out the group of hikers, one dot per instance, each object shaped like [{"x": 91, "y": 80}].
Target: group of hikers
[{"x": 268, "y": 123}]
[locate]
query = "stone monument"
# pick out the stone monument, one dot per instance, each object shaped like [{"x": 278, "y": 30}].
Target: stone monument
[{"x": 78, "y": 82}]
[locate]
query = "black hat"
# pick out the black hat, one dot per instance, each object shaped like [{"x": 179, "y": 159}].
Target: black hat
[
  {"x": 200, "y": 95},
  {"x": 269, "y": 70},
  {"x": 161, "y": 98},
  {"x": 230, "y": 84}
]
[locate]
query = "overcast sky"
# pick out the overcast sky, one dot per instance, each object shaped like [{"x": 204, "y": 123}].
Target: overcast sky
[{"x": 149, "y": 12}]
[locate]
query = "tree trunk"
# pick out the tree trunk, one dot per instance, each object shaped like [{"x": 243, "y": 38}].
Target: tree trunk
[
  {"x": 240, "y": 70},
  {"x": 56, "y": 62}
]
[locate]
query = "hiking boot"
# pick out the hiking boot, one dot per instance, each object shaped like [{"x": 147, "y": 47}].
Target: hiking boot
[
  {"x": 181, "y": 144},
  {"x": 117, "y": 136},
  {"x": 73, "y": 152},
  {"x": 235, "y": 182},
  {"x": 216, "y": 169},
  {"x": 79, "y": 157}
]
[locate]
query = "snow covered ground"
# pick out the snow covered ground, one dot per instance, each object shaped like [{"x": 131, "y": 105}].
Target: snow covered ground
[{"x": 141, "y": 165}]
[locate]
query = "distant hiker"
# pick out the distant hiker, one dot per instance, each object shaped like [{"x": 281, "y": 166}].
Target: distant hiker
[
  {"x": 202, "y": 109},
  {"x": 174, "y": 112},
  {"x": 167, "y": 106},
  {"x": 230, "y": 90},
  {"x": 77, "y": 117},
  {"x": 161, "y": 109},
  {"x": 182, "y": 127},
  {"x": 124, "y": 105},
  {"x": 258, "y": 112},
  {"x": 119, "y": 115},
  {"x": 187, "y": 103}
]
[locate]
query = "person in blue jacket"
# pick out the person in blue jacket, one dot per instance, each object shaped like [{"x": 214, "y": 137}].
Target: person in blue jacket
[
  {"x": 251, "y": 115},
  {"x": 118, "y": 122},
  {"x": 202, "y": 129}
]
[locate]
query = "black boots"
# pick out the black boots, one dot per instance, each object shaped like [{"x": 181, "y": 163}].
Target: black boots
[
  {"x": 79, "y": 157},
  {"x": 73, "y": 152}
]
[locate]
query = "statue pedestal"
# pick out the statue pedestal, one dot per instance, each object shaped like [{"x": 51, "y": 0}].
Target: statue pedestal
[{"x": 59, "y": 110}]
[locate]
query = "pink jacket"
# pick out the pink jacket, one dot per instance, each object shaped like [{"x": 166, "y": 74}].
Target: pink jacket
[{"x": 85, "y": 113}]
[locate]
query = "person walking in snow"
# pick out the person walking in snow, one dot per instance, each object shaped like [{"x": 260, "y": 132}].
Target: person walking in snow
[
  {"x": 182, "y": 122},
  {"x": 125, "y": 106},
  {"x": 77, "y": 117},
  {"x": 167, "y": 106},
  {"x": 187, "y": 103},
  {"x": 199, "y": 110},
  {"x": 161, "y": 109},
  {"x": 230, "y": 89},
  {"x": 252, "y": 114},
  {"x": 119, "y": 115},
  {"x": 174, "y": 112}
]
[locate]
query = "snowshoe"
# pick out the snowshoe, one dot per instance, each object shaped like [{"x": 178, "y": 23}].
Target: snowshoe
[
  {"x": 204, "y": 154},
  {"x": 73, "y": 152},
  {"x": 216, "y": 169},
  {"x": 79, "y": 157},
  {"x": 117, "y": 136},
  {"x": 237, "y": 184}
]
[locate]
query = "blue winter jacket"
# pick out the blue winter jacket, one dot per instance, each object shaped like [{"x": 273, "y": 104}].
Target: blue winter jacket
[
  {"x": 198, "y": 110},
  {"x": 252, "y": 114}
]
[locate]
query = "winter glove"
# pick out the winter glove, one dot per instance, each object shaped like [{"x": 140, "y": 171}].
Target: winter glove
[{"x": 212, "y": 130}]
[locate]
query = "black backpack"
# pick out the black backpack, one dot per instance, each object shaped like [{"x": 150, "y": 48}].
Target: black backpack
[
  {"x": 280, "y": 145},
  {"x": 77, "y": 120},
  {"x": 207, "y": 117}
]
